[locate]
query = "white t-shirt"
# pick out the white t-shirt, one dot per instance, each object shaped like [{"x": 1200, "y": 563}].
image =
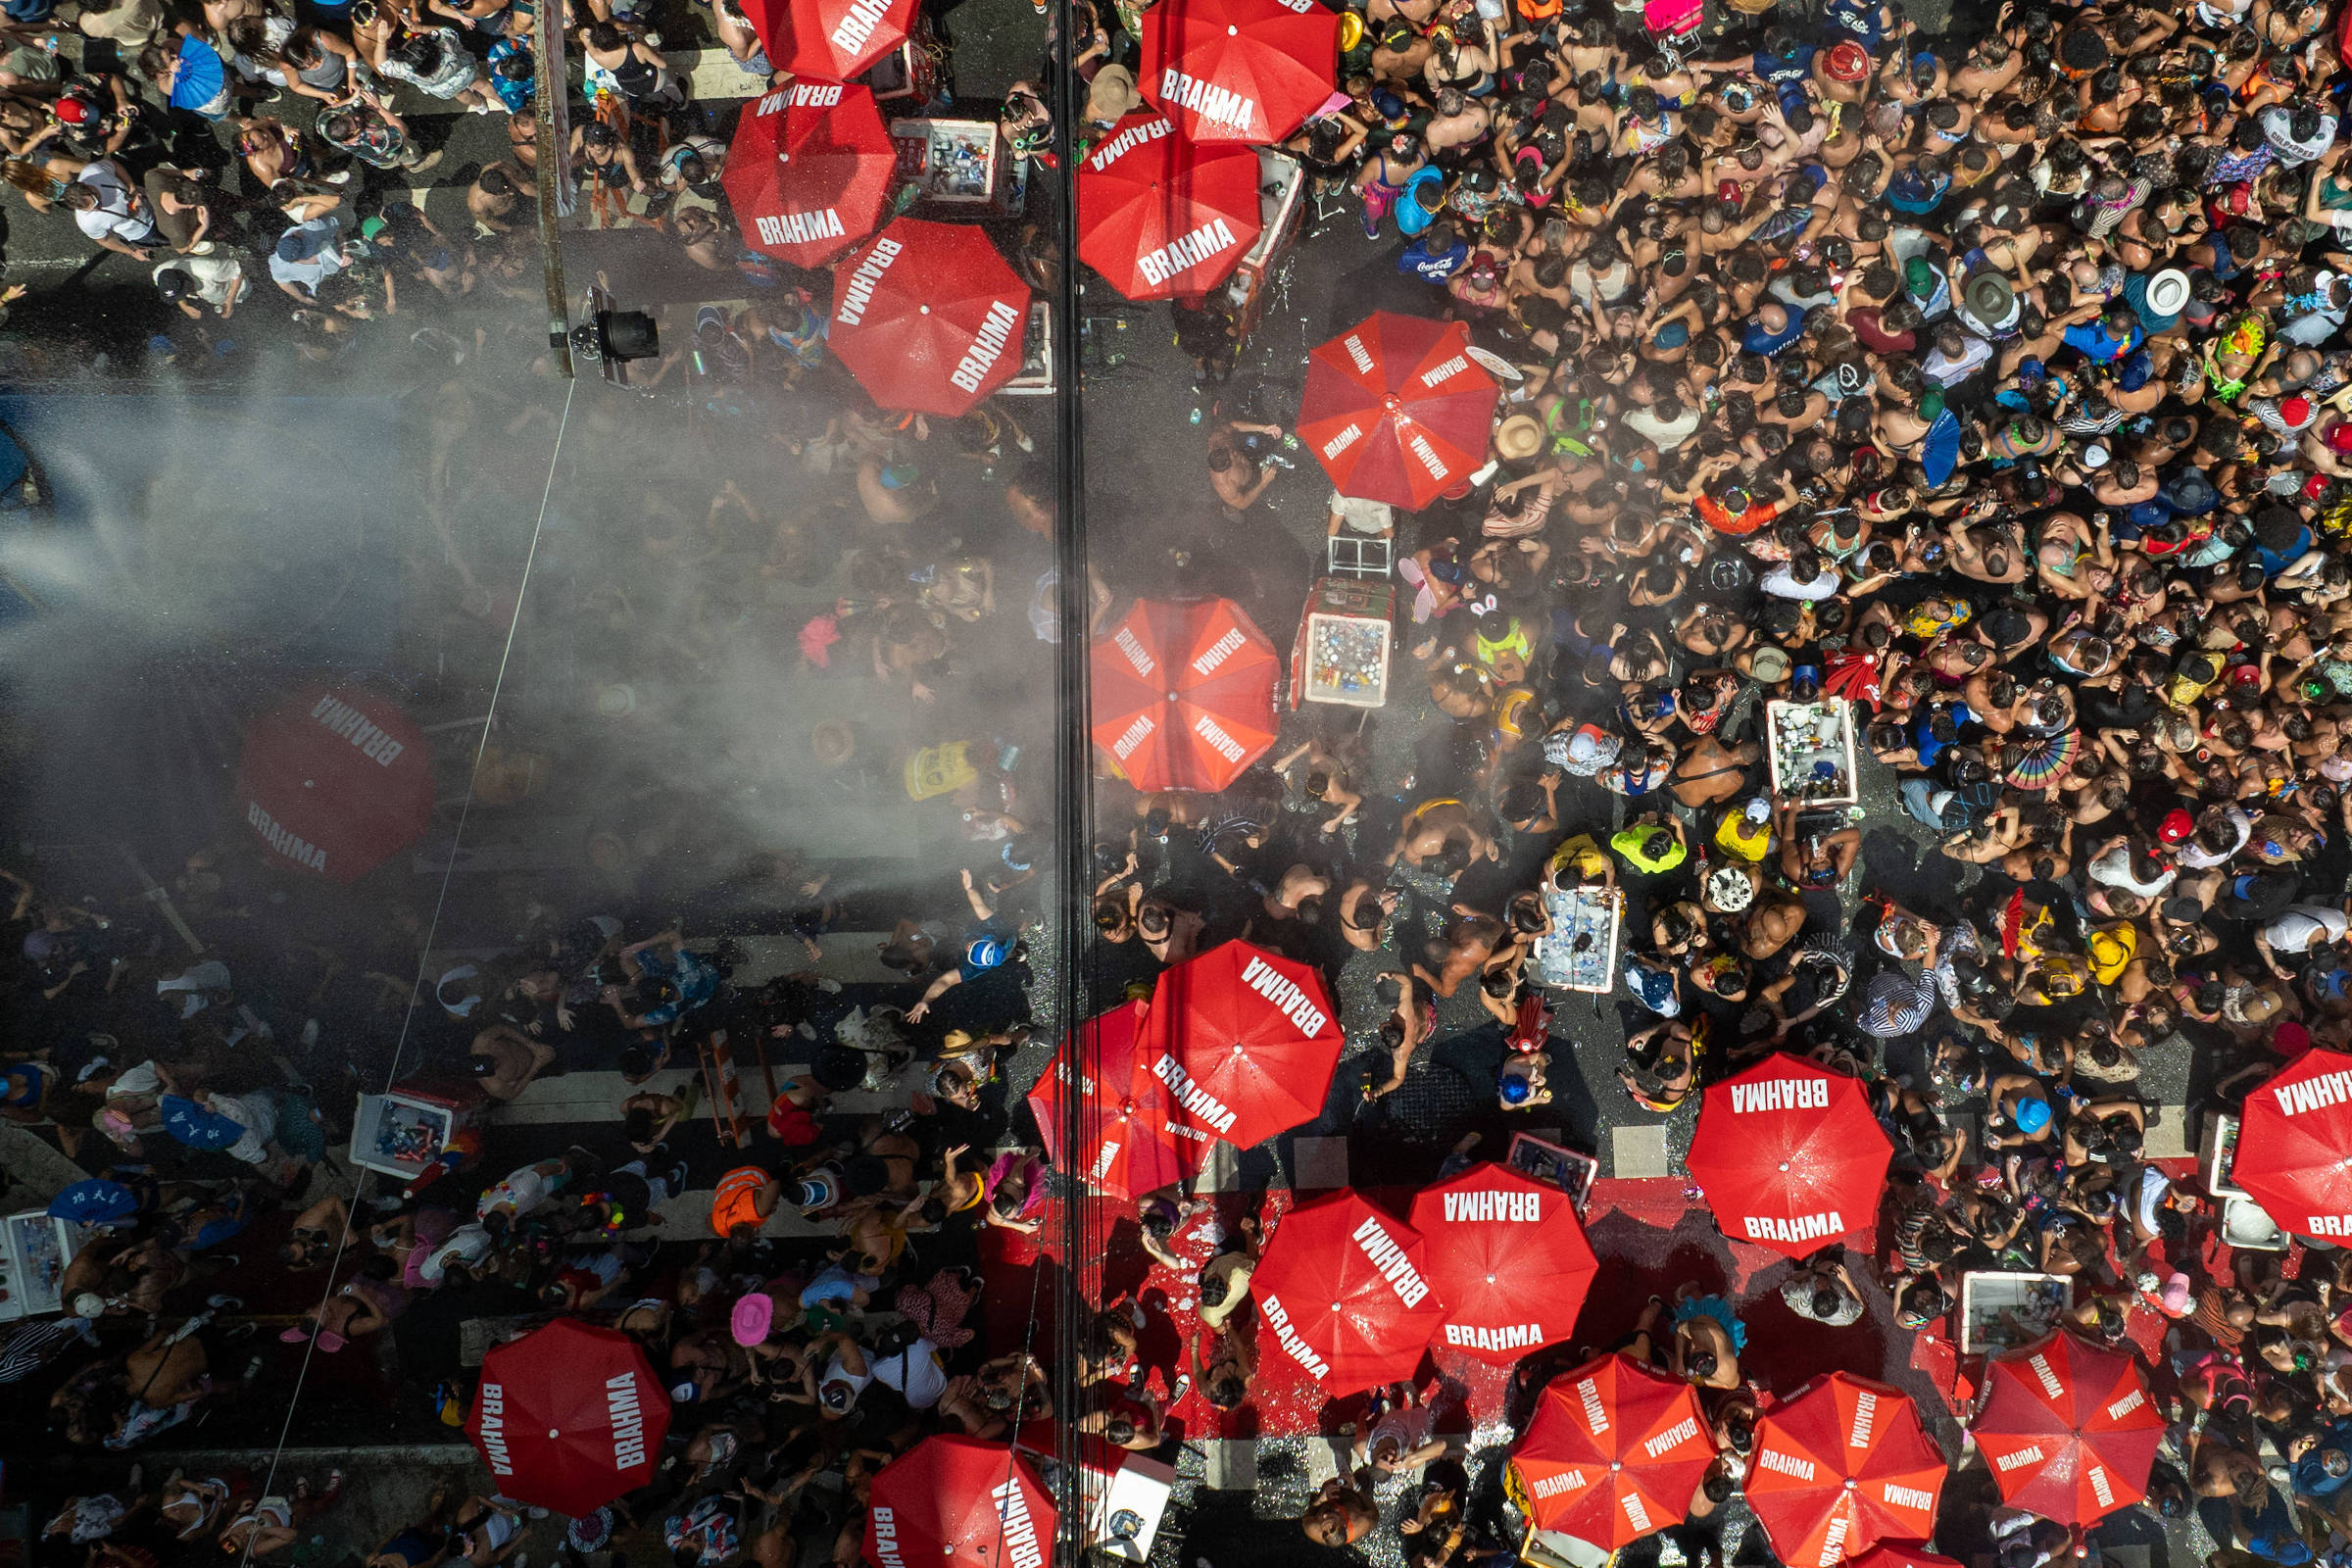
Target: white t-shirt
[
  {"x": 2197, "y": 858},
  {"x": 1664, "y": 434},
  {"x": 470, "y": 1244},
  {"x": 217, "y": 276},
  {"x": 1358, "y": 515},
  {"x": 522, "y": 1192},
  {"x": 1782, "y": 583},
  {"x": 915, "y": 1372},
  {"x": 112, "y": 214},
  {"x": 2300, "y": 927}
]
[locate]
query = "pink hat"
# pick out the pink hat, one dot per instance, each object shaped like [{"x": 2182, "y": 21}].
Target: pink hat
[
  {"x": 752, "y": 1316},
  {"x": 2176, "y": 1296}
]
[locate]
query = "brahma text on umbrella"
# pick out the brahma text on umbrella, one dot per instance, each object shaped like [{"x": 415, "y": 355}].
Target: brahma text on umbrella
[
  {"x": 1127, "y": 141},
  {"x": 886, "y": 1538},
  {"x": 1596, "y": 1414},
  {"x": 801, "y": 228},
  {"x": 1270, "y": 1307},
  {"x": 2029, "y": 1454},
  {"x": 1439, "y": 374},
  {"x": 1137, "y": 733},
  {"x": 1210, "y": 101},
  {"x": 1003, "y": 319},
  {"x": 1793, "y": 1466},
  {"x": 1394, "y": 1268},
  {"x": 294, "y": 846},
  {"x": 1197, "y": 1101},
  {"x": 1796, "y": 1228},
  {"x": 1207, "y": 243},
  {"x": 1293, "y": 1004},
  {"x": 1780, "y": 1094},
  {"x": 1021, "y": 1533},
  {"x": 1343, "y": 441},
  {"x": 491, "y": 1403},
  {"x": 1505, "y": 1337},
  {"x": 856, "y": 29},
  {"x": 2314, "y": 1094},
  {"x": 1553, "y": 1486},
  {"x": 1833, "y": 1540},
  {"x": 629, "y": 1422},
  {"x": 1479, "y": 1208},
  {"x": 865, "y": 279},
  {"x": 1674, "y": 1436},
  {"x": 1219, "y": 650},
  {"x": 1866, "y": 1418},
  {"x": 1916, "y": 1498},
  {"x": 341, "y": 718}
]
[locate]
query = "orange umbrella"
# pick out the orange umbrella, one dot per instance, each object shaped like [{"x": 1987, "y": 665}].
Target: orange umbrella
[
  {"x": 1840, "y": 1466},
  {"x": 1184, "y": 694},
  {"x": 2069, "y": 1428},
  {"x": 1615, "y": 1452}
]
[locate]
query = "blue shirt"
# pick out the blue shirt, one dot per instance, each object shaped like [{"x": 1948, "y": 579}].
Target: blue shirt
[
  {"x": 1434, "y": 266},
  {"x": 2092, "y": 339},
  {"x": 1862, "y": 21}
]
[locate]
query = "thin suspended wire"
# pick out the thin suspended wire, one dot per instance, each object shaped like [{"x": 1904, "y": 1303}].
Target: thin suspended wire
[{"x": 363, "y": 1177}]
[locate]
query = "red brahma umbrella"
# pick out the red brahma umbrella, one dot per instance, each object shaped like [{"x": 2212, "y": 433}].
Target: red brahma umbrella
[
  {"x": 928, "y": 317},
  {"x": 2069, "y": 1428},
  {"x": 1243, "y": 71},
  {"x": 1245, "y": 1042},
  {"x": 1343, "y": 1290},
  {"x": 2291, "y": 1144},
  {"x": 1395, "y": 408},
  {"x": 1182, "y": 694},
  {"x": 830, "y": 40},
  {"x": 336, "y": 781},
  {"x": 810, "y": 171},
  {"x": 568, "y": 1417},
  {"x": 1129, "y": 1149},
  {"x": 1615, "y": 1451},
  {"x": 1508, "y": 1255},
  {"x": 954, "y": 1501},
  {"x": 1790, "y": 1156},
  {"x": 1840, "y": 1466},
  {"x": 1160, "y": 216}
]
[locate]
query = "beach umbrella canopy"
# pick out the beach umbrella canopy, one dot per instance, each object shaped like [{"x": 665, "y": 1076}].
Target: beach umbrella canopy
[
  {"x": 1840, "y": 1466},
  {"x": 1160, "y": 216},
  {"x": 955, "y": 1501},
  {"x": 1182, "y": 694},
  {"x": 336, "y": 781},
  {"x": 1238, "y": 70},
  {"x": 830, "y": 40},
  {"x": 810, "y": 171},
  {"x": 2291, "y": 1139},
  {"x": 928, "y": 317},
  {"x": 1509, "y": 1258},
  {"x": 1343, "y": 1290},
  {"x": 570, "y": 1416},
  {"x": 1243, "y": 1041},
  {"x": 1614, "y": 1452},
  {"x": 1396, "y": 407},
  {"x": 1790, "y": 1156},
  {"x": 2069, "y": 1428},
  {"x": 1129, "y": 1149}
]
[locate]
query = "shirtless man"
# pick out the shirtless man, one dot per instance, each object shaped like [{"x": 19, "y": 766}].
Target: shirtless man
[
  {"x": 505, "y": 1059},
  {"x": 1433, "y": 828},
  {"x": 1460, "y": 122}
]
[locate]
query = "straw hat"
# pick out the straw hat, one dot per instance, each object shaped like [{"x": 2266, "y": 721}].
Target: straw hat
[{"x": 1518, "y": 437}]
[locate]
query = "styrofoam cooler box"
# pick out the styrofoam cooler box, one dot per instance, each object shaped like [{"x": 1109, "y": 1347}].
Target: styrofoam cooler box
[
  {"x": 1124, "y": 1507},
  {"x": 398, "y": 1133},
  {"x": 34, "y": 1251}
]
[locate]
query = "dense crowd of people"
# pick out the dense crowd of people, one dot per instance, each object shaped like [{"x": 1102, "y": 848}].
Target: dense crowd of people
[{"x": 1978, "y": 406}]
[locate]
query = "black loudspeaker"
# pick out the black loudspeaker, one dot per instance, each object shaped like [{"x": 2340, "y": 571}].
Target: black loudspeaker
[{"x": 627, "y": 336}]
